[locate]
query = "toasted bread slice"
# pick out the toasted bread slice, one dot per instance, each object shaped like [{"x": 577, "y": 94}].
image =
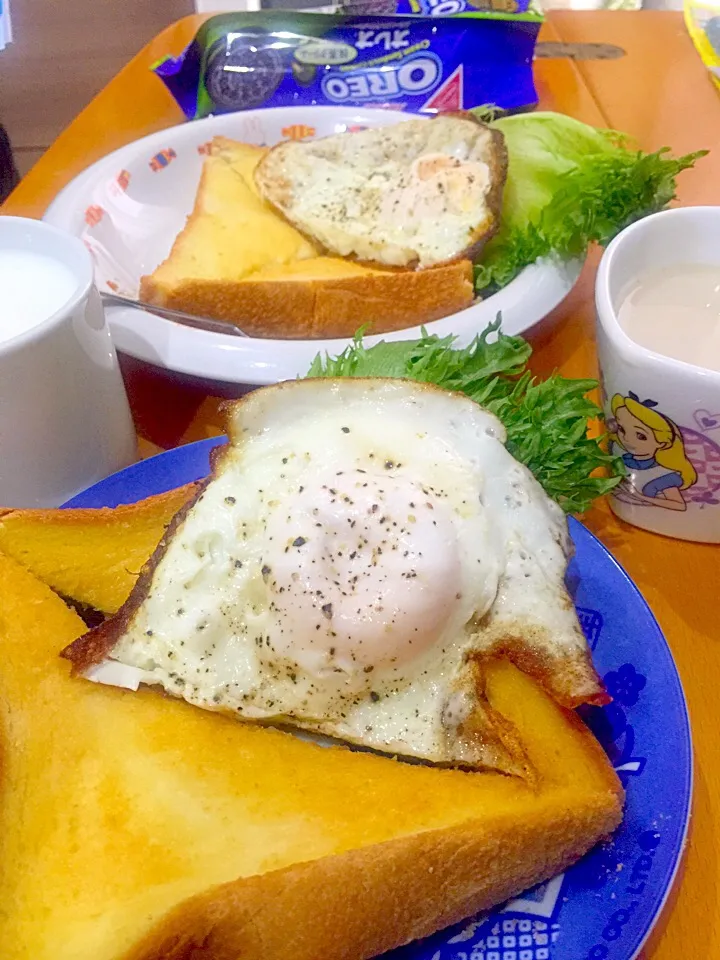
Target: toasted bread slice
[
  {"x": 90, "y": 556},
  {"x": 321, "y": 298},
  {"x": 231, "y": 232},
  {"x": 419, "y": 193},
  {"x": 138, "y": 828},
  {"x": 238, "y": 260}
]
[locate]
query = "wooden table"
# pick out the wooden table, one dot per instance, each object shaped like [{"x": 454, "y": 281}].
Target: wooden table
[
  {"x": 62, "y": 54},
  {"x": 659, "y": 93}
]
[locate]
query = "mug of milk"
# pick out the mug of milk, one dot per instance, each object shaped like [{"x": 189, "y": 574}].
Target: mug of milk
[
  {"x": 658, "y": 328},
  {"x": 64, "y": 416}
]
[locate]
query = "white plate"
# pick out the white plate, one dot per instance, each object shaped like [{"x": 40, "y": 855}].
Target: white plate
[{"x": 130, "y": 206}]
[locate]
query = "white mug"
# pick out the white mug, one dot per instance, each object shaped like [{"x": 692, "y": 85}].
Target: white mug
[
  {"x": 64, "y": 416},
  {"x": 673, "y": 462}
]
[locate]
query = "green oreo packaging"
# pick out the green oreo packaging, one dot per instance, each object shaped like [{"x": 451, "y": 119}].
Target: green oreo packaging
[{"x": 431, "y": 64}]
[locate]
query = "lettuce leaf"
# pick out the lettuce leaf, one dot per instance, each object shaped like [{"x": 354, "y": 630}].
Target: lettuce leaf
[
  {"x": 546, "y": 420},
  {"x": 570, "y": 185}
]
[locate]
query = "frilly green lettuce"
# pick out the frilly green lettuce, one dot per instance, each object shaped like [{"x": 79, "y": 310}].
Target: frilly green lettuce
[
  {"x": 570, "y": 185},
  {"x": 546, "y": 420}
]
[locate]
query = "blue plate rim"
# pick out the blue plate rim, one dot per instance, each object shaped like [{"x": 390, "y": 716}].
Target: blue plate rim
[{"x": 689, "y": 784}]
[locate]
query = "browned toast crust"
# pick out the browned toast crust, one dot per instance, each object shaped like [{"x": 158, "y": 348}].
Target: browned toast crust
[
  {"x": 316, "y": 309},
  {"x": 93, "y": 647},
  {"x": 81, "y": 516},
  {"x": 358, "y": 904},
  {"x": 90, "y": 556}
]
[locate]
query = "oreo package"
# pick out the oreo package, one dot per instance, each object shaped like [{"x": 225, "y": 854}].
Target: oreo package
[
  {"x": 437, "y": 8},
  {"x": 242, "y": 61}
]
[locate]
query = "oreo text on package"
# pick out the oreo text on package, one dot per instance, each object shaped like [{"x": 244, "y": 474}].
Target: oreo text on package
[{"x": 243, "y": 61}]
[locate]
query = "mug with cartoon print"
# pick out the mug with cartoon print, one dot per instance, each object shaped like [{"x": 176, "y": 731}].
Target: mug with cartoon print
[
  {"x": 660, "y": 412},
  {"x": 653, "y": 451}
]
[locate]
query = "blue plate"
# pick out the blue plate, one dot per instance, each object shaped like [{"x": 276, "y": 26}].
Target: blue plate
[{"x": 604, "y": 907}]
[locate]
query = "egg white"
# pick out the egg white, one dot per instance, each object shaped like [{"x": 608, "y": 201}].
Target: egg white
[
  {"x": 361, "y": 543},
  {"x": 415, "y": 193}
]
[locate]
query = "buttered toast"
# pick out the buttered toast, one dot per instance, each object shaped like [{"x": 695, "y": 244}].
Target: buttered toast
[
  {"x": 238, "y": 260},
  {"x": 90, "y": 556},
  {"x": 139, "y": 828}
]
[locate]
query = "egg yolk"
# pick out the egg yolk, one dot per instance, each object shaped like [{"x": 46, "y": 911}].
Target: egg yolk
[
  {"x": 435, "y": 185},
  {"x": 364, "y": 572}
]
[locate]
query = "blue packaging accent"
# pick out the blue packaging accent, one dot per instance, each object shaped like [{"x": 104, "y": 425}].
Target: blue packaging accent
[
  {"x": 445, "y": 8},
  {"x": 421, "y": 64}
]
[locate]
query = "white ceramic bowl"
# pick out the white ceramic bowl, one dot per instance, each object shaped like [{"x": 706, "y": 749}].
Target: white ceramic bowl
[
  {"x": 674, "y": 405},
  {"x": 129, "y": 207}
]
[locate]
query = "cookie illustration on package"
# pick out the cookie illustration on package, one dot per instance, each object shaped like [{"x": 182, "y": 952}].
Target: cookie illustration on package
[
  {"x": 304, "y": 73},
  {"x": 244, "y": 70}
]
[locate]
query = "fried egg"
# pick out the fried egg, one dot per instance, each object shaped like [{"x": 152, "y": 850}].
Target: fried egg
[
  {"x": 361, "y": 548},
  {"x": 417, "y": 193}
]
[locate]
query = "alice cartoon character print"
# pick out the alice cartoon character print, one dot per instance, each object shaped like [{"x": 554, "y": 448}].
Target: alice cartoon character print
[{"x": 659, "y": 471}]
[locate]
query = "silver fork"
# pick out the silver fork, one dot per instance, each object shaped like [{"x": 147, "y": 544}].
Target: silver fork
[{"x": 179, "y": 316}]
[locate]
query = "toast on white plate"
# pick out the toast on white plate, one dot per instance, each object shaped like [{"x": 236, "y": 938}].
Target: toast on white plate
[{"x": 239, "y": 260}]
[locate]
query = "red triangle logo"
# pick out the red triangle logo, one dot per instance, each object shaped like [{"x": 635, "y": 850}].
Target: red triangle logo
[{"x": 450, "y": 95}]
